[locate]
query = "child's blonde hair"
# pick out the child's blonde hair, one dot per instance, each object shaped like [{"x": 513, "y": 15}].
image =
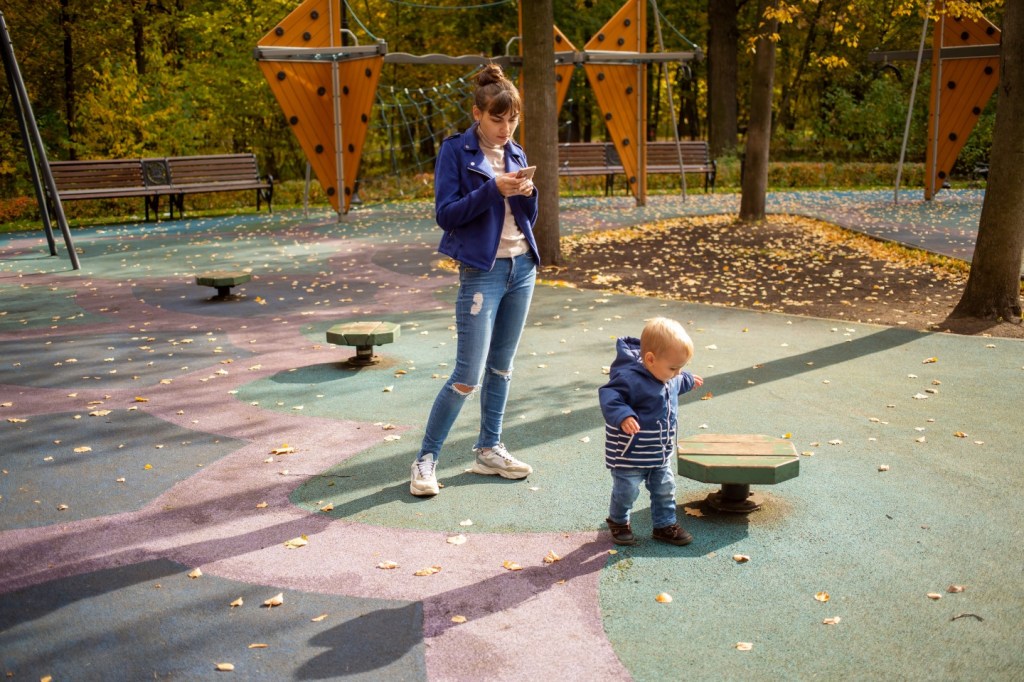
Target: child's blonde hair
[{"x": 661, "y": 334}]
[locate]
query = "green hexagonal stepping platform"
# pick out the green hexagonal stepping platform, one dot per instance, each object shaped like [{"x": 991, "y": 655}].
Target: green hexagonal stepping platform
[
  {"x": 364, "y": 336},
  {"x": 737, "y": 461}
]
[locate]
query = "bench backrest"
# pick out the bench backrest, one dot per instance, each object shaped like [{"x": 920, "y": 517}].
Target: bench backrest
[
  {"x": 582, "y": 154},
  {"x": 97, "y": 174},
  {"x": 694, "y": 152},
  {"x": 187, "y": 170}
]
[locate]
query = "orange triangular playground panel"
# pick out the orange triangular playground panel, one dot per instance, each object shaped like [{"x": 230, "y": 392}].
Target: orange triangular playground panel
[
  {"x": 963, "y": 87},
  {"x": 563, "y": 72},
  {"x": 305, "y": 91},
  {"x": 620, "y": 89}
]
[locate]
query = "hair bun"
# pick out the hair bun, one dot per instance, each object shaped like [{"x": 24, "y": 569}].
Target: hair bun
[{"x": 490, "y": 73}]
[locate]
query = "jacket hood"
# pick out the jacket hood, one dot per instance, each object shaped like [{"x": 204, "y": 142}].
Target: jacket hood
[{"x": 627, "y": 355}]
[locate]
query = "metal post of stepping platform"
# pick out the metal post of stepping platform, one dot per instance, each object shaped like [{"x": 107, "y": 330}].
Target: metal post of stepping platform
[
  {"x": 737, "y": 462},
  {"x": 222, "y": 281},
  {"x": 364, "y": 336}
]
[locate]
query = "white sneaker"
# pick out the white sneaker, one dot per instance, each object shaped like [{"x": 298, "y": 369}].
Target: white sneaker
[
  {"x": 424, "y": 479},
  {"x": 496, "y": 460}
]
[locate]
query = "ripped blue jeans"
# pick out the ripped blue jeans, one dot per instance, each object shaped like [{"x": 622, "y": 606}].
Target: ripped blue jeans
[{"x": 490, "y": 312}]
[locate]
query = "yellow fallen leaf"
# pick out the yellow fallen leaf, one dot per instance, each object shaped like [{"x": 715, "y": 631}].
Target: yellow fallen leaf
[
  {"x": 467, "y": 522},
  {"x": 511, "y": 565},
  {"x": 62, "y": 507},
  {"x": 456, "y": 539},
  {"x": 883, "y": 467},
  {"x": 960, "y": 434},
  {"x": 934, "y": 596},
  {"x": 822, "y": 597},
  {"x": 707, "y": 396},
  {"x": 740, "y": 558},
  {"x": 458, "y": 619},
  {"x": 99, "y": 413},
  {"x": 832, "y": 621},
  {"x": 257, "y": 645},
  {"x": 744, "y": 646},
  {"x": 276, "y": 600},
  {"x": 16, "y": 420},
  {"x": 428, "y": 571},
  {"x": 237, "y": 602},
  {"x": 551, "y": 557},
  {"x": 663, "y": 598},
  {"x": 928, "y": 361},
  {"x": 387, "y": 565},
  {"x": 147, "y": 467},
  {"x": 261, "y": 505},
  {"x": 283, "y": 450},
  {"x": 140, "y": 399},
  {"x": 295, "y": 543},
  {"x": 196, "y": 573},
  {"x": 317, "y": 619},
  {"x": 955, "y": 589},
  {"x": 327, "y": 507},
  {"x": 225, "y": 667},
  {"x": 83, "y": 448}
]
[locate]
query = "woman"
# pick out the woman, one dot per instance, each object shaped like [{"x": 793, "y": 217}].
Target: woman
[{"x": 486, "y": 207}]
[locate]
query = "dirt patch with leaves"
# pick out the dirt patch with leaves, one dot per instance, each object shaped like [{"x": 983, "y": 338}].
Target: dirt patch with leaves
[{"x": 789, "y": 265}]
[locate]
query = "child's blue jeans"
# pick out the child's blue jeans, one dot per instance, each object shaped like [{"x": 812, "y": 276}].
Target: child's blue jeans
[
  {"x": 660, "y": 482},
  {"x": 490, "y": 312}
]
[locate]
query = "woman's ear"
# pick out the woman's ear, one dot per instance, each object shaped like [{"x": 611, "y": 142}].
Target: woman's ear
[{"x": 477, "y": 114}]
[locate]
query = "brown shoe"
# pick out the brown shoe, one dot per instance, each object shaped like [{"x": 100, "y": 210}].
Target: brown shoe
[
  {"x": 673, "y": 535},
  {"x": 622, "y": 534}
]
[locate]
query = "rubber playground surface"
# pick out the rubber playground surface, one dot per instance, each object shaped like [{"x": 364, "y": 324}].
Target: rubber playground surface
[{"x": 173, "y": 463}]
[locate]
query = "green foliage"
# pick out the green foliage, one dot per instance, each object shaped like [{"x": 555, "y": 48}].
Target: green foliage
[{"x": 177, "y": 77}]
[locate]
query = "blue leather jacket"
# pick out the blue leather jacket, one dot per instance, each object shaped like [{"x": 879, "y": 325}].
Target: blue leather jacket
[{"x": 469, "y": 207}]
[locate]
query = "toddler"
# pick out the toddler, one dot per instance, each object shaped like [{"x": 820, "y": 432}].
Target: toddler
[{"x": 640, "y": 404}]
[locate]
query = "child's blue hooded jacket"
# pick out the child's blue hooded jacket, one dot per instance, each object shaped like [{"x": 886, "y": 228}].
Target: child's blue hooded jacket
[
  {"x": 632, "y": 391},
  {"x": 468, "y": 205}
]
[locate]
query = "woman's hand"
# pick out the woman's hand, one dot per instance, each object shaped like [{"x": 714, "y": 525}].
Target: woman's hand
[{"x": 509, "y": 185}]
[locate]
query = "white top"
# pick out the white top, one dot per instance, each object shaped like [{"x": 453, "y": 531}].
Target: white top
[{"x": 513, "y": 242}]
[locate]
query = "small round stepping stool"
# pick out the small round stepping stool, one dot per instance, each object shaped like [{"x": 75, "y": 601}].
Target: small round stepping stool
[
  {"x": 737, "y": 462},
  {"x": 223, "y": 280},
  {"x": 364, "y": 336}
]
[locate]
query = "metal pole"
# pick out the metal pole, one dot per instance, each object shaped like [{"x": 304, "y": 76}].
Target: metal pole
[
  {"x": 671, "y": 100},
  {"x": 910, "y": 111},
  {"x": 33, "y": 168},
  {"x": 339, "y": 138},
  {"x": 35, "y": 137}
]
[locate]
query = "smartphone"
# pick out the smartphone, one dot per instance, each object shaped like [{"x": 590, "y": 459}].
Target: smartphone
[{"x": 526, "y": 173}]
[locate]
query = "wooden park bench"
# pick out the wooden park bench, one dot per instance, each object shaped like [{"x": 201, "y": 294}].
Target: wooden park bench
[
  {"x": 217, "y": 173},
  {"x": 107, "y": 179},
  {"x": 152, "y": 178},
  {"x": 736, "y": 462},
  {"x": 663, "y": 158},
  {"x": 589, "y": 158}
]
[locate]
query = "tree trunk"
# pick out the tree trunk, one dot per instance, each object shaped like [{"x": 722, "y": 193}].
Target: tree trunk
[
  {"x": 139, "y": 37},
  {"x": 759, "y": 131},
  {"x": 66, "y": 19},
  {"x": 723, "y": 43},
  {"x": 540, "y": 120},
  {"x": 993, "y": 287}
]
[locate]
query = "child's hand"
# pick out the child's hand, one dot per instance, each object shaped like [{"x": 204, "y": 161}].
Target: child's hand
[
  {"x": 697, "y": 381},
  {"x": 630, "y": 426}
]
